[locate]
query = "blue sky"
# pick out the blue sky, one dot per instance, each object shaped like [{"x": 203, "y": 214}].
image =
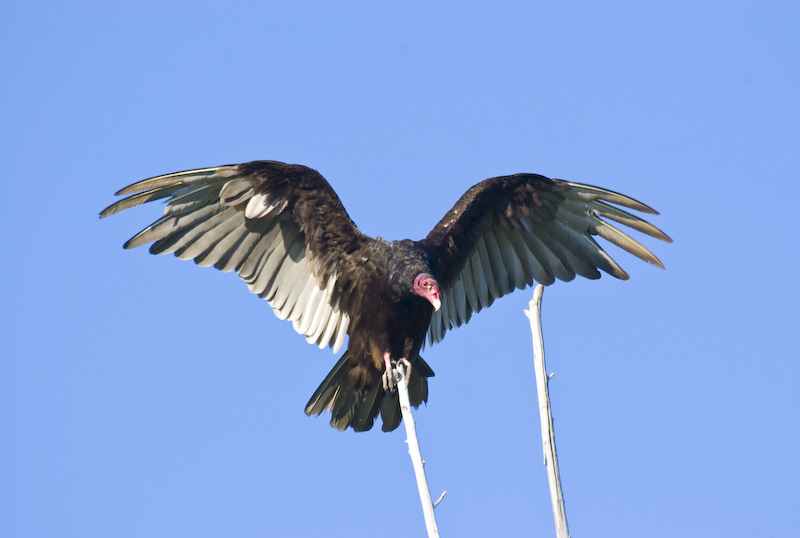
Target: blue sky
[{"x": 143, "y": 396}]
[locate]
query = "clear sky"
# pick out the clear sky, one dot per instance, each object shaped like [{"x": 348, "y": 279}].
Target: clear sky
[{"x": 142, "y": 396}]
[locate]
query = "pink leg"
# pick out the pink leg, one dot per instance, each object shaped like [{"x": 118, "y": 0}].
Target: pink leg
[{"x": 388, "y": 374}]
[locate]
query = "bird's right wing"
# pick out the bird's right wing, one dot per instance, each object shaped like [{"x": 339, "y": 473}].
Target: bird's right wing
[
  {"x": 280, "y": 227},
  {"x": 508, "y": 231}
]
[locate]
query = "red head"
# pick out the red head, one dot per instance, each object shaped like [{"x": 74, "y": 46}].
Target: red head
[{"x": 426, "y": 286}]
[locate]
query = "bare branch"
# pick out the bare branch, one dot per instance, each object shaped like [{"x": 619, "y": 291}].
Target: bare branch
[
  {"x": 403, "y": 370},
  {"x": 545, "y": 414}
]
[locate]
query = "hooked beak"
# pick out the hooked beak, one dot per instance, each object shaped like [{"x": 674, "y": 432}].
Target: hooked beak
[
  {"x": 426, "y": 286},
  {"x": 434, "y": 297}
]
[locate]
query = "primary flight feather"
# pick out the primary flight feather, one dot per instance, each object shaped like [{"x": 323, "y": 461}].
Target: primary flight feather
[{"x": 282, "y": 228}]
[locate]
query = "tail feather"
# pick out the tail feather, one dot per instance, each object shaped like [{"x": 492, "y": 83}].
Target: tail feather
[
  {"x": 366, "y": 410},
  {"x": 342, "y": 412},
  {"x": 357, "y": 408},
  {"x": 323, "y": 398},
  {"x": 390, "y": 411}
]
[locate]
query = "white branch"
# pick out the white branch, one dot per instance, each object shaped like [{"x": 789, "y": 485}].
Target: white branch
[
  {"x": 545, "y": 415},
  {"x": 413, "y": 450}
]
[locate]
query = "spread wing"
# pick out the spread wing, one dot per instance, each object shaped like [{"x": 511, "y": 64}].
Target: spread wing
[
  {"x": 280, "y": 227},
  {"x": 507, "y": 231}
]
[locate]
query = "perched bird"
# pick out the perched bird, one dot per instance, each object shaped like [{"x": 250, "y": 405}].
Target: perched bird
[{"x": 282, "y": 228}]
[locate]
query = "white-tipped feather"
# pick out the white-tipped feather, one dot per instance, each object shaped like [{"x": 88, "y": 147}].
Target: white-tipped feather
[
  {"x": 341, "y": 332},
  {"x": 314, "y": 330},
  {"x": 330, "y": 326},
  {"x": 299, "y": 301},
  {"x": 309, "y": 304},
  {"x": 286, "y": 278},
  {"x": 260, "y": 206},
  {"x": 256, "y": 207},
  {"x": 237, "y": 191},
  {"x": 320, "y": 322}
]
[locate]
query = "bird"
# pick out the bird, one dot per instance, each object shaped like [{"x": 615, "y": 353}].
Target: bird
[{"x": 284, "y": 231}]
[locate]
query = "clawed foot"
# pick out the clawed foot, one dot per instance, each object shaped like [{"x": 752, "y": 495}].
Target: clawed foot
[
  {"x": 406, "y": 367},
  {"x": 390, "y": 374}
]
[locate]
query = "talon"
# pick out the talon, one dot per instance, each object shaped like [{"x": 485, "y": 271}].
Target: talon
[
  {"x": 388, "y": 378},
  {"x": 406, "y": 367},
  {"x": 403, "y": 363}
]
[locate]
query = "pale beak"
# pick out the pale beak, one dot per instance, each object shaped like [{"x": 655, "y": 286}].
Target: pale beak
[
  {"x": 435, "y": 298},
  {"x": 426, "y": 286}
]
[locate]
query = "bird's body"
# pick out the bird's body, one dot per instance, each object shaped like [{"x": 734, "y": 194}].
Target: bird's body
[
  {"x": 400, "y": 316},
  {"x": 282, "y": 228}
]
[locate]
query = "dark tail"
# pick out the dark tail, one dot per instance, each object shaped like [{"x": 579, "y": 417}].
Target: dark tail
[{"x": 357, "y": 408}]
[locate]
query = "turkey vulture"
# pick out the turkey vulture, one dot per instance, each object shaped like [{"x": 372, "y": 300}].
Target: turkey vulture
[{"x": 282, "y": 228}]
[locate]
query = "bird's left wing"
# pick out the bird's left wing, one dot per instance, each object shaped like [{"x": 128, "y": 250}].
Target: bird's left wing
[
  {"x": 281, "y": 227},
  {"x": 507, "y": 231}
]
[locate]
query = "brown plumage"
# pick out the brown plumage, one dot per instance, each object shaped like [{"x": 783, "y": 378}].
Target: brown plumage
[{"x": 282, "y": 228}]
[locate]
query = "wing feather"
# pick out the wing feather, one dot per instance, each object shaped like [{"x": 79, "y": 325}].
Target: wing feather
[
  {"x": 284, "y": 231},
  {"x": 460, "y": 295},
  {"x": 502, "y": 278},
  {"x": 280, "y": 227},
  {"x": 507, "y": 231},
  {"x": 209, "y": 233},
  {"x": 471, "y": 287},
  {"x": 510, "y": 257},
  {"x": 481, "y": 281},
  {"x": 264, "y": 262},
  {"x": 309, "y": 304},
  {"x": 241, "y": 248},
  {"x": 294, "y": 268},
  {"x": 219, "y": 254},
  {"x": 626, "y": 242}
]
